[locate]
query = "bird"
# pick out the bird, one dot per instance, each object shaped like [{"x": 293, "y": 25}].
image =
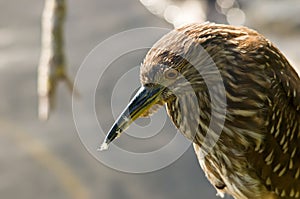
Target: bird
[{"x": 236, "y": 97}]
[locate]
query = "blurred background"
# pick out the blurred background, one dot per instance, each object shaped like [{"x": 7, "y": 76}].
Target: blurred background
[{"x": 47, "y": 159}]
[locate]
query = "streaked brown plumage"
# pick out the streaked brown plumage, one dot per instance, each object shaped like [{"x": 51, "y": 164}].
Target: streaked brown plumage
[{"x": 257, "y": 154}]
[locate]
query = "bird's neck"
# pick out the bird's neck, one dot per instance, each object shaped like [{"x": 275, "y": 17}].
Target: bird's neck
[{"x": 191, "y": 115}]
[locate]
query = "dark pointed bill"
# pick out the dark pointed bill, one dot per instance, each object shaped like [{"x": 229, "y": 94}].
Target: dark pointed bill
[{"x": 141, "y": 102}]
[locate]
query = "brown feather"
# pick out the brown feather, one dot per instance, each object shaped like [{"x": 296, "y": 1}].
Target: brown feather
[{"x": 257, "y": 154}]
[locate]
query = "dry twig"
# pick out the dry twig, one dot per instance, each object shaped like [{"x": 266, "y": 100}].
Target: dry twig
[{"x": 52, "y": 67}]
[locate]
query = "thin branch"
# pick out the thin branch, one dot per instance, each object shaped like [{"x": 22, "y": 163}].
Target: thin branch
[{"x": 52, "y": 67}]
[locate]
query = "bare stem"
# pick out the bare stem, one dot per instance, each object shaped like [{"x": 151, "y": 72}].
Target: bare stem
[{"x": 52, "y": 66}]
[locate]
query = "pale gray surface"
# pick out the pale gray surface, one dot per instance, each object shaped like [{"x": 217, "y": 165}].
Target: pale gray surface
[{"x": 47, "y": 160}]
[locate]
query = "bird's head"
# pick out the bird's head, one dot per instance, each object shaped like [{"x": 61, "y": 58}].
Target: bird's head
[{"x": 174, "y": 66}]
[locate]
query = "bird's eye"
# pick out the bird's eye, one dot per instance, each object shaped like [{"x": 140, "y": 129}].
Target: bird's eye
[{"x": 171, "y": 74}]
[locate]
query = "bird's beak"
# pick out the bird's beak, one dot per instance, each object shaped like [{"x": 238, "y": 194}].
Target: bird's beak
[{"x": 140, "y": 103}]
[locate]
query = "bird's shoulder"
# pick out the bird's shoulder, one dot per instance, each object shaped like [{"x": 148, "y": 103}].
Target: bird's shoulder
[{"x": 276, "y": 159}]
